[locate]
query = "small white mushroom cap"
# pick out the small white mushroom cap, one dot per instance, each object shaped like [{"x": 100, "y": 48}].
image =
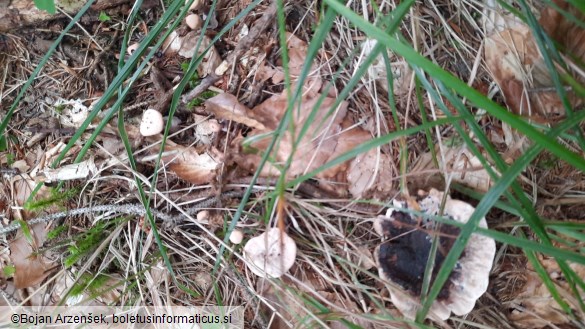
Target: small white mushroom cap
[
  {"x": 152, "y": 123},
  {"x": 236, "y": 237},
  {"x": 132, "y": 48},
  {"x": 202, "y": 215},
  {"x": 271, "y": 254},
  {"x": 473, "y": 267},
  {"x": 193, "y": 21},
  {"x": 222, "y": 68}
]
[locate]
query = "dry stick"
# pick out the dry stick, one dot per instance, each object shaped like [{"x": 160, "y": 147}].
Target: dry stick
[
  {"x": 129, "y": 209},
  {"x": 259, "y": 26},
  {"x": 99, "y": 58},
  {"x": 207, "y": 82}
]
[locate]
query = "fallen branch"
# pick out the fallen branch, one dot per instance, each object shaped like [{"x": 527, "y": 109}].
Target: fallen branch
[{"x": 128, "y": 209}]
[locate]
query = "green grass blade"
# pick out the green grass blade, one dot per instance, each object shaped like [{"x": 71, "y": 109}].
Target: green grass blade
[
  {"x": 117, "y": 82},
  {"x": 482, "y": 209},
  {"x": 414, "y": 58},
  {"x": 370, "y": 145},
  {"x": 549, "y": 52},
  {"x": 40, "y": 66}
]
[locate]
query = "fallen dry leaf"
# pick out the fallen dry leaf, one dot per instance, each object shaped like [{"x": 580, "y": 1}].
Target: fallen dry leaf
[
  {"x": 226, "y": 106},
  {"x": 534, "y": 305},
  {"x": 320, "y": 140},
  {"x": 206, "y": 129},
  {"x": 30, "y": 268},
  {"x": 187, "y": 164},
  {"x": 72, "y": 171},
  {"x": 459, "y": 163},
  {"x": 371, "y": 170},
  {"x": 329, "y": 134},
  {"x": 297, "y": 52},
  {"x": 513, "y": 58},
  {"x": 401, "y": 73},
  {"x": 74, "y": 113}
]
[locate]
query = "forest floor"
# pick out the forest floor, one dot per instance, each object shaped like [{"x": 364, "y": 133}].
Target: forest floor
[{"x": 172, "y": 154}]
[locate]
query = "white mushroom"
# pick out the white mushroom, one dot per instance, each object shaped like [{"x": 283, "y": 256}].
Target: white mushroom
[
  {"x": 222, "y": 68},
  {"x": 193, "y": 21},
  {"x": 152, "y": 123},
  {"x": 236, "y": 237},
  {"x": 402, "y": 258},
  {"x": 132, "y": 48},
  {"x": 271, "y": 254},
  {"x": 202, "y": 215}
]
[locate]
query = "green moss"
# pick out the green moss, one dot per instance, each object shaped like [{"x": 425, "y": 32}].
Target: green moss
[
  {"x": 59, "y": 108},
  {"x": 103, "y": 17},
  {"x": 56, "y": 198},
  {"x": 54, "y": 233},
  {"x": 93, "y": 284},
  {"x": 194, "y": 81},
  {"x": 10, "y": 159},
  {"x": 201, "y": 99},
  {"x": 86, "y": 242},
  {"x": 547, "y": 162},
  {"x": 9, "y": 270}
]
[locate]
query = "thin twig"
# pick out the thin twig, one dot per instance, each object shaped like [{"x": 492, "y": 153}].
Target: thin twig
[
  {"x": 129, "y": 209},
  {"x": 259, "y": 27},
  {"x": 207, "y": 82}
]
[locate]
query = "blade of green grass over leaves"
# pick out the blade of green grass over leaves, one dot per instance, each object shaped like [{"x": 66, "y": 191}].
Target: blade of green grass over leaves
[
  {"x": 484, "y": 206},
  {"x": 320, "y": 34},
  {"x": 525, "y": 208},
  {"x": 414, "y": 58},
  {"x": 550, "y": 53},
  {"x": 46, "y": 5}
]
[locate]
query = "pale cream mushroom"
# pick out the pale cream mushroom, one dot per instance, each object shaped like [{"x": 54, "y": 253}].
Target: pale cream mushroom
[
  {"x": 401, "y": 259},
  {"x": 271, "y": 254},
  {"x": 132, "y": 48},
  {"x": 193, "y": 21},
  {"x": 152, "y": 123},
  {"x": 202, "y": 215},
  {"x": 236, "y": 237}
]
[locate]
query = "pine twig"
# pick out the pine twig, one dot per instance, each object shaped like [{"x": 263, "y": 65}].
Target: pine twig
[{"x": 128, "y": 209}]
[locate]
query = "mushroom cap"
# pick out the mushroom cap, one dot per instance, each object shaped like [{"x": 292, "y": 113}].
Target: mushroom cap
[
  {"x": 132, "y": 48},
  {"x": 236, "y": 237},
  {"x": 270, "y": 256},
  {"x": 470, "y": 277},
  {"x": 203, "y": 215},
  {"x": 152, "y": 123},
  {"x": 193, "y": 21}
]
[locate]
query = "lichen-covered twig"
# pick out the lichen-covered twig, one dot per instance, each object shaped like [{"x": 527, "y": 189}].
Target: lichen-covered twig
[{"x": 128, "y": 209}]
